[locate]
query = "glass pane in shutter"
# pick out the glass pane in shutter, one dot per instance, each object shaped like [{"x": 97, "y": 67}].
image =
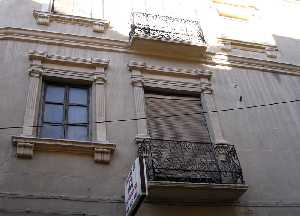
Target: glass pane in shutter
[
  {"x": 77, "y": 114},
  {"x": 50, "y": 131},
  {"x": 64, "y": 6},
  {"x": 55, "y": 94},
  {"x": 77, "y": 132},
  {"x": 53, "y": 113},
  {"x": 78, "y": 96}
]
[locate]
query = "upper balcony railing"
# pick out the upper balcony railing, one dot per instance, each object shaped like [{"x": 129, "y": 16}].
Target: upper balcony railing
[
  {"x": 191, "y": 162},
  {"x": 166, "y": 28}
]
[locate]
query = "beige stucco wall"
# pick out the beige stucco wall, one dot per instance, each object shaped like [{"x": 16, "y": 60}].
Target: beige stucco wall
[{"x": 266, "y": 138}]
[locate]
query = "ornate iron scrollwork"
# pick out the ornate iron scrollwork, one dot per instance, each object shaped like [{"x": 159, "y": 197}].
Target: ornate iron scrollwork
[
  {"x": 229, "y": 164},
  {"x": 185, "y": 161},
  {"x": 166, "y": 28}
]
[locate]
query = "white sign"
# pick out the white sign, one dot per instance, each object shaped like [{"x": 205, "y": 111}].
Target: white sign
[{"x": 135, "y": 187}]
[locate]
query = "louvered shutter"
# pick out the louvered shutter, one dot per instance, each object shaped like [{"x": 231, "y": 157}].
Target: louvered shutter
[
  {"x": 176, "y": 118},
  {"x": 45, "y": 5}
]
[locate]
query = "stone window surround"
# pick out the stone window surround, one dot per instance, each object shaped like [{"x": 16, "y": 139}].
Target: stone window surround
[
  {"x": 194, "y": 81},
  {"x": 45, "y": 18},
  {"x": 227, "y": 45},
  {"x": 27, "y": 143}
]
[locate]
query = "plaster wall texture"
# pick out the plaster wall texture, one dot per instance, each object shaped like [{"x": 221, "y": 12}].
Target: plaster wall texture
[{"x": 266, "y": 138}]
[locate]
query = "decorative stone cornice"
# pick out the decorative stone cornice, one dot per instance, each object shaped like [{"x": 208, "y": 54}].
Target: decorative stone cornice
[
  {"x": 35, "y": 70},
  {"x": 53, "y": 72},
  {"x": 88, "y": 62},
  {"x": 63, "y": 39},
  {"x": 45, "y": 18},
  {"x": 271, "y": 51},
  {"x": 100, "y": 78},
  {"x": 252, "y": 64},
  {"x": 171, "y": 71},
  {"x": 239, "y": 43},
  {"x": 178, "y": 85},
  {"x": 26, "y": 146},
  {"x": 38, "y": 68},
  {"x": 109, "y": 45},
  {"x": 178, "y": 79}
]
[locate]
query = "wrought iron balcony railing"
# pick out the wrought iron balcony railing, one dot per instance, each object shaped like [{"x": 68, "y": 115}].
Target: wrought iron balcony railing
[
  {"x": 166, "y": 28},
  {"x": 194, "y": 162}
]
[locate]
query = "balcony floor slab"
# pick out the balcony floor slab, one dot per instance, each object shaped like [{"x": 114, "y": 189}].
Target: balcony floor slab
[
  {"x": 166, "y": 48},
  {"x": 163, "y": 191}
]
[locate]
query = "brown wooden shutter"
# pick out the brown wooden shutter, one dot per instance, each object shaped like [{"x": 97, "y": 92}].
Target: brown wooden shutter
[{"x": 176, "y": 118}]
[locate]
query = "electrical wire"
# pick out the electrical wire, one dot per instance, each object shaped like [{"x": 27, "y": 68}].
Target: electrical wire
[{"x": 174, "y": 115}]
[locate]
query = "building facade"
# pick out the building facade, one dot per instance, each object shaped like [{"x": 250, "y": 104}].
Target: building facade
[{"x": 205, "y": 93}]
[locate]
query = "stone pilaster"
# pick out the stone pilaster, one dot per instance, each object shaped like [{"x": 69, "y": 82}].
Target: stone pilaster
[
  {"x": 139, "y": 101},
  {"x": 32, "y": 100},
  {"x": 214, "y": 124},
  {"x": 100, "y": 105}
]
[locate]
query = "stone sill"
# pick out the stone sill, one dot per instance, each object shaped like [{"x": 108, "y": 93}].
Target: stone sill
[
  {"x": 178, "y": 42},
  {"x": 45, "y": 18},
  {"x": 167, "y": 48},
  {"x": 176, "y": 192},
  {"x": 26, "y": 146}
]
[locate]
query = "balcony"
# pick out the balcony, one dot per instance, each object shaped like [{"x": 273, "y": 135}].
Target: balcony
[
  {"x": 166, "y": 36},
  {"x": 191, "y": 171}
]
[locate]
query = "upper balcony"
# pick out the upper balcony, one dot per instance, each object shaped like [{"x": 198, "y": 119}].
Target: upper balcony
[
  {"x": 166, "y": 36},
  {"x": 190, "y": 171}
]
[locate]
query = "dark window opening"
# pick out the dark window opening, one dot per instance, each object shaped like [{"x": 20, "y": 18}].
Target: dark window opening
[{"x": 65, "y": 112}]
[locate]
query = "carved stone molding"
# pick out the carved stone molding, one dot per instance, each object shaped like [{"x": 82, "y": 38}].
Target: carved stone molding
[
  {"x": 271, "y": 52},
  {"x": 102, "y": 155},
  {"x": 45, "y": 18},
  {"x": 39, "y": 59},
  {"x": 193, "y": 80},
  {"x": 87, "y": 62},
  {"x": 26, "y": 146},
  {"x": 252, "y": 64},
  {"x": 227, "y": 45},
  {"x": 24, "y": 149},
  {"x": 105, "y": 44},
  {"x": 39, "y": 67},
  {"x": 68, "y": 74},
  {"x": 41, "y": 18},
  {"x": 35, "y": 70}
]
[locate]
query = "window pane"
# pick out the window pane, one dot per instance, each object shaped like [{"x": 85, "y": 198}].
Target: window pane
[
  {"x": 78, "y": 96},
  {"x": 53, "y": 113},
  {"x": 77, "y": 114},
  {"x": 55, "y": 94},
  {"x": 50, "y": 131},
  {"x": 77, "y": 132}
]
